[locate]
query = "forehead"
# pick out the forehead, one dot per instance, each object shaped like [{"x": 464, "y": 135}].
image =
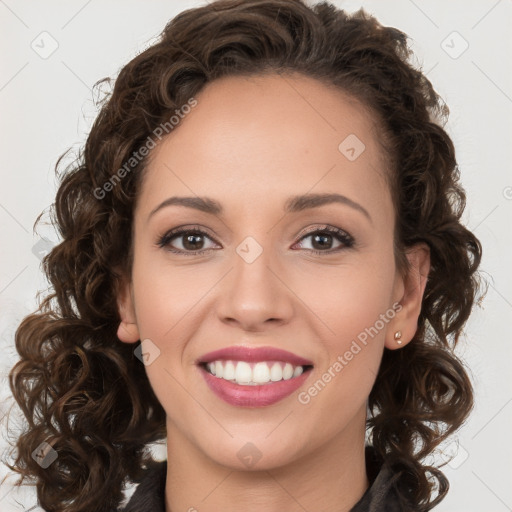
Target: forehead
[{"x": 269, "y": 135}]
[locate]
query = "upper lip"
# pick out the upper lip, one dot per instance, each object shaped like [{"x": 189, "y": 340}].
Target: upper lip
[{"x": 254, "y": 354}]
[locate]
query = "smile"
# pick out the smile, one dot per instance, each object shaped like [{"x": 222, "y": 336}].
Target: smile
[{"x": 253, "y": 376}]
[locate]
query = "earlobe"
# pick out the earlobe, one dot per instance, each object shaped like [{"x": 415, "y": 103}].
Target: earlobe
[
  {"x": 412, "y": 288},
  {"x": 128, "y": 330}
]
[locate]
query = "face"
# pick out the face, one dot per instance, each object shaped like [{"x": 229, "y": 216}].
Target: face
[{"x": 314, "y": 278}]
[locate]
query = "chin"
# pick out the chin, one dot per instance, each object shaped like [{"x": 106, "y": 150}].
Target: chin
[{"x": 246, "y": 453}]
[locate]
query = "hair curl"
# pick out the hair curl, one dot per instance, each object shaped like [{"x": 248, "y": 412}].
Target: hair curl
[{"x": 84, "y": 393}]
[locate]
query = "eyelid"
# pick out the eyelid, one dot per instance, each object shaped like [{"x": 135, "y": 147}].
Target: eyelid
[
  {"x": 323, "y": 227},
  {"x": 345, "y": 238},
  {"x": 164, "y": 239}
]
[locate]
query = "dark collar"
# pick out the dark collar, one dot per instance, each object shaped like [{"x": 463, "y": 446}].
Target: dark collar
[{"x": 383, "y": 495}]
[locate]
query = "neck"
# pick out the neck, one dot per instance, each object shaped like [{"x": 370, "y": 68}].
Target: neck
[{"x": 330, "y": 478}]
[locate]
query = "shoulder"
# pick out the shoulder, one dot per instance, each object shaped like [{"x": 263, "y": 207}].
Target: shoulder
[
  {"x": 149, "y": 496},
  {"x": 387, "y": 491}
]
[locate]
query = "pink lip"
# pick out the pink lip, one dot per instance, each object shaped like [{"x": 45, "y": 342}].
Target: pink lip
[
  {"x": 253, "y": 354},
  {"x": 252, "y": 396}
]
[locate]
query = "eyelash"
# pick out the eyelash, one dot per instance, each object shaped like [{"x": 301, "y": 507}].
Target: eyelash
[{"x": 342, "y": 236}]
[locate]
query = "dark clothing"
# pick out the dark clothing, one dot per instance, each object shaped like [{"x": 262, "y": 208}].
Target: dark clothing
[{"x": 385, "y": 493}]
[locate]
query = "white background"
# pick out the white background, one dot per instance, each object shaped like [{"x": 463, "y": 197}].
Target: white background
[{"x": 47, "y": 107}]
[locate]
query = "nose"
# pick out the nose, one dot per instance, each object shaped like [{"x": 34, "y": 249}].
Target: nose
[{"x": 254, "y": 294}]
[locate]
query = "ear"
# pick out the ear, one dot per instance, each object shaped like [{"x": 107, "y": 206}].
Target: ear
[
  {"x": 127, "y": 331},
  {"x": 408, "y": 293}
]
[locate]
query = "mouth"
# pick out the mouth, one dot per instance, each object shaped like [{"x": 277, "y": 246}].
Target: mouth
[
  {"x": 253, "y": 376},
  {"x": 260, "y": 373}
]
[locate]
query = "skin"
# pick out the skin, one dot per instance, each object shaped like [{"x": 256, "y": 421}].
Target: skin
[{"x": 249, "y": 144}]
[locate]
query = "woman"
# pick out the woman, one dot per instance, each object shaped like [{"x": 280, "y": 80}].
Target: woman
[{"x": 262, "y": 262}]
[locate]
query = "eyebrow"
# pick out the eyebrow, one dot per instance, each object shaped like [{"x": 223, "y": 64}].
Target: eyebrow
[{"x": 293, "y": 204}]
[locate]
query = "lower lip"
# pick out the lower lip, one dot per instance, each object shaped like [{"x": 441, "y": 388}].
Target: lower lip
[{"x": 253, "y": 396}]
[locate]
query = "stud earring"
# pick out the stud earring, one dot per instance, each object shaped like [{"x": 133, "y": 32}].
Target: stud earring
[{"x": 398, "y": 336}]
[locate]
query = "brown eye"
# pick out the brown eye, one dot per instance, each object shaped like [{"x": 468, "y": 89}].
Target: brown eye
[
  {"x": 192, "y": 242},
  {"x": 186, "y": 241},
  {"x": 322, "y": 240}
]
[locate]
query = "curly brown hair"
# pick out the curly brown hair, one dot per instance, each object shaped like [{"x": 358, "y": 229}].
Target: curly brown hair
[{"x": 87, "y": 395}]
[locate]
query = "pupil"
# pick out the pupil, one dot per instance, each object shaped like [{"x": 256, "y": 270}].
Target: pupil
[
  {"x": 192, "y": 240},
  {"x": 319, "y": 241},
  {"x": 321, "y": 237}
]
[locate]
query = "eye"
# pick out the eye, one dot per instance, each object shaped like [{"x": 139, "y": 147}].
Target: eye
[
  {"x": 189, "y": 241},
  {"x": 322, "y": 240},
  {"x": 185, "y": 241}
]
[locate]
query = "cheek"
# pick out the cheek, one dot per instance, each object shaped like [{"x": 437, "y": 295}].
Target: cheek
[
  {"x": 349, "y": 298},
  {"x": 167, "y": 296},
  {"x": 354, "y": 305},
  {"x": 342, "y": 383}
]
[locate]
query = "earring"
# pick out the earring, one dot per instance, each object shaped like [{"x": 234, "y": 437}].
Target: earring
[{"x": 398, "y": 336}]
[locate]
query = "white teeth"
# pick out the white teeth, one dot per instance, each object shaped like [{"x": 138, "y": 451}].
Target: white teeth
[
  {"x": 219, "y": 369},
  {"x": 276, "y": 373},
  {"x": 260, "y": 373},
  {"x": 288, "y": 371},
  {"x": 243, "y": 372},
  {"x": 229, "y": 371},
  {"x": 251, "y": 374}
]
